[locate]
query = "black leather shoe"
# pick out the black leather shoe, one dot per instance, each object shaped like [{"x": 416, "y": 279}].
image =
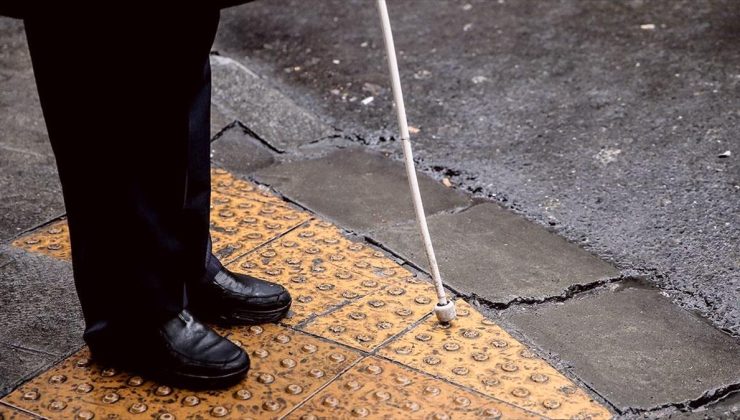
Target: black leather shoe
[
  {"x": 234, "y": 298},
  {"x": 182, "y": 351}
]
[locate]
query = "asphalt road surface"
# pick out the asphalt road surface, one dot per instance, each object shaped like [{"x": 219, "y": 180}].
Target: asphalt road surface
[{"x": 614, "y": 123}]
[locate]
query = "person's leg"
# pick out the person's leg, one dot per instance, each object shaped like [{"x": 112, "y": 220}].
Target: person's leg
[{"x": 126, "y": 97}]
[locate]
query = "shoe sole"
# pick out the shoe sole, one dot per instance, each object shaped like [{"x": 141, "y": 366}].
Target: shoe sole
[{"x": 236, "y": 317}]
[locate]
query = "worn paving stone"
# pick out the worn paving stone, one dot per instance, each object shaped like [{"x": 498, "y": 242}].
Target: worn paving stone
[
  {"x": 240, "y": 94},
  {"x": 357, "y": 189},
  {"x": 239, "y": 152},
  {"x": 497, "y": 255},
  {"x": 30, "y": 191},
  {"x": 39, "y": 309},
  {"x": 633, "y": 346},
  {"x": 17, "y": 364}
]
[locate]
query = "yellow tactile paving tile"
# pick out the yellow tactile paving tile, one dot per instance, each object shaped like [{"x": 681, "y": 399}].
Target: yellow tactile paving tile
[
  {"x": 370, "y": 321},
  {"x": 287, "y": 367},
  {"x": 223, "y": 182},
  {"x": 10, "y": 413},
  {"x": 379, "y": 389},
  {"x": 316, "y": 286},
  {"x": 474, "y": 352},
  {"x": 51, "y": 240},
  {"x": 240, "y": 224}
]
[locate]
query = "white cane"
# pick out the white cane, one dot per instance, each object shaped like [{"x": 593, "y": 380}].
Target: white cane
[{"x": 445, "y": 309}]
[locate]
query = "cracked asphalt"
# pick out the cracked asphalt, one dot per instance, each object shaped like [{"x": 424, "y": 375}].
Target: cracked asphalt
[{"x": 612, "y": 123}]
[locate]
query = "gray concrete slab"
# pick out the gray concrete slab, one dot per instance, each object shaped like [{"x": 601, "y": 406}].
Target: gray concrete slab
[
  {"x": 239, "y": 152},
  {"x": 240, "y": 94},
  {"x": 633, "y": 346},
  {"x": 17, "y": 365},
  {"x": 359, "y": 190},
  {"x": 498, "y": 256},
  {"x": 39, "y": 309},
  {"x": 571, "y": 112},
  {"x": 30, "y": 191}
]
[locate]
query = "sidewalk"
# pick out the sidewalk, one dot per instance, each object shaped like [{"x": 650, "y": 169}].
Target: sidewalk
[{"x": 546, "y": 329}]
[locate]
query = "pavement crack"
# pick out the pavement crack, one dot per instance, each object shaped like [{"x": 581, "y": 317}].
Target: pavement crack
[{"x": 708, "y": 397}]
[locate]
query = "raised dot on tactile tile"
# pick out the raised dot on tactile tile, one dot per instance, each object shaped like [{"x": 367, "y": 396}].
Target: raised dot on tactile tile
[
  {"x": 527, "y": 354},
  {"x": 294, "y": 389},
  {"x": 460, "y": 370},
  {"x": 242, "y": 394},
  {"x": 309, "y": 417},
  {"x": 298, "y": 279},
  {"x": 330, "y": 401},
  {"x": 355, "y": 247},
  {"x": 396, "y": 291},
  {"x": 219, "y": 411},
  {"x": 268, "y": 253},
  {"x": 236, "y": 342},
  {"x": 369, "y": 283},
  {"x": 330, "y": 241},
  {"x": 82, "y": 362},
  {"x": 490, "y": 382},
  {"x": 265, "y": 378},
  {"x": 520, "y": 392},
  {"x": 84, "y": 415},
  {"x": 84, "y": 388},
  {"x": 509, "y": 367},
  {"x": 479, "y": 356},
  {"x": 324, "y": 287},
  {"x": 364, "y": 338},
  {"x": 486, "y": 321},
  {"x": 108, "y": 372},
  {"x": 249, "y": 220},
  {"x": 360, "y": 412},
  {"x": 384, "y": 325},
  {"x": 32, "y": 241},
  {"x": 57, "y": 379},
  {"x": 111, "y": 397},
  {"x": 402, "y": 380},
  {"x": 450, "y": 346},
  {"x": 289, "y": 244},
  {"x": 381, "y": 395},
  {"x": 424, "y": 337},
  {"x": 293, "y": 261},
  {"x": 337, "y": 329},
  {"x": 306, "y": 234},
  {"x": 254, "y": 235},
  {"x": 374, "y": 369},
  {"x": 439, "y": 416},
  {"x": 166, "y": 416},
  {"x": 357, "y": 316},
  {"x": 312, "y": 250},
  {"x": 135, "y": 381},
  {"x": 288, "y": 363},
  {"x": 499, "y": 343},
  {"x": 336, "y": 257},
  {"x": 492, "y": 413},
  {"x": 431, "y": 390},
  {"x": 343, "y": 275},
  {"x": 568, "y": 390},
  {"x": 57, "y": 405},
  {"x": 190, "y": 401},
  {"x": 273, "y": 226},
  {"x": 336, "y": 357},
  {"x": 432, "y": 360},
  {"x": 54, "y": 247},
  {"x": 304, "y": 299},
  {"x": 261, "y": 353},
  {"x": 348, "y": 294},
  {"x": 403, "y": 350},
  {"x": 551, "y": 404},
  {"x": 256, "y": 329},
  {"x": 309, "y": 348},
  {"x": 226, "y": 214},
  {"x": 404, "y": 312},
  {"x": 271, "y": 405},
  {"x": 361, "y": 264},
  {"x": 462, "y": 401},
  {"x": 137, "y": 408},
  {"x": 411, "y": 406},
  {"x": 376, "y": 303},
  {"x": 273, "y": 271},
  {"x": 316, "y": 373},
  {"x": 163, "y": 390},
  {"x": 31, "y": 395},
  {"x": 470, "y": 334},
  {"x": 539, "y": 377},
  {"x": 352, "y": 385},
  {"x": 282, "y": 338}
]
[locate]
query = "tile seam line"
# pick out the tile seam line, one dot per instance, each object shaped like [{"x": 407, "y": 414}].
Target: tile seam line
[
  {"x": 459, "y": 386},
  {"x": 29, "y": 349},
  {"x": 318, "y": 390},
  {"x": 53, "y": 219},
  {"x": 233, "y": 258},
  {"x": 22, "y": 410}
]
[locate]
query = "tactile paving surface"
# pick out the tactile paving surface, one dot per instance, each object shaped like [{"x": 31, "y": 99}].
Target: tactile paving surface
[
  {"x": 51, "y": 240},
  {"x": 380, "y": 389},
  {"x": 287, "y": 367},
  {"x": 474, "y": 352},
  {"x": 348, "y": 294}
]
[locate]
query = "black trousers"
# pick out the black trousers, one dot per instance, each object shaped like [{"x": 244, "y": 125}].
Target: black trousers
[{"x": 126, "y": 99}]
